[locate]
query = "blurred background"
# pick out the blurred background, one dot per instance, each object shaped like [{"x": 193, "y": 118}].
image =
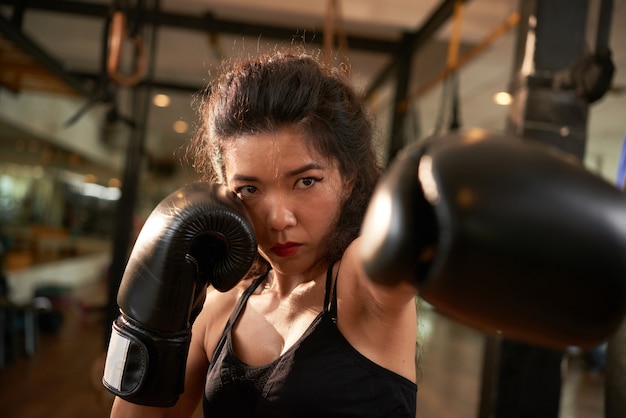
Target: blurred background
[{"x": 88, "y": 148}]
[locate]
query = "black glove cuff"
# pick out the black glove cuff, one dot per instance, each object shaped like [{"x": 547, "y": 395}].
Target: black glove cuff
[{"x": 145, "y": 368}]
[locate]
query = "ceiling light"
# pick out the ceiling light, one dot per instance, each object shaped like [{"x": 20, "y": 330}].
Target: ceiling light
[
  {"x": 180, "y": 126},
  {"x": 161, "y": 100},
  {"x": 502, "y": 98}
]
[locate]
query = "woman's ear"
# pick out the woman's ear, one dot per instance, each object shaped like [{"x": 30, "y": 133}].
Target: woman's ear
[{"x": 348, "y": 185}]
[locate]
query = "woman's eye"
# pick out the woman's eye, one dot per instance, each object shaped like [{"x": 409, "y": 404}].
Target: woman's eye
[
  {"x": 245, "y": 191},
  {"x": 306, "y": 182}
]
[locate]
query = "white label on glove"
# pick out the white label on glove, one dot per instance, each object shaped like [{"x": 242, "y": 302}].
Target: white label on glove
[{"x": 116, "y": 360}]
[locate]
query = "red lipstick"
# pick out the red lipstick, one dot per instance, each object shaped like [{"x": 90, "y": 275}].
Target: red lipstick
[{"x": 287, "y": 249}]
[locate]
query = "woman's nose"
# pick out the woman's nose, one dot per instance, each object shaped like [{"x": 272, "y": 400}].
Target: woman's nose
[{"x": 280, "y": 214}]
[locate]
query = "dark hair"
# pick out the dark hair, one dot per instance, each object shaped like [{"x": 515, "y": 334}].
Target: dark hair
[{"x": 280, "y": 90}]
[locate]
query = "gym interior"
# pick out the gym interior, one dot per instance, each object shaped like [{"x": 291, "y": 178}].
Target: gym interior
[{"x": 96, "y": 110}]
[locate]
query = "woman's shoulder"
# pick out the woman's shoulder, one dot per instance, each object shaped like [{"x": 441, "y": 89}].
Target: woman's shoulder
[
  {"x": 218, "y": 303},
  {"x": 218, "y": 306},
  {"x": 353, "y": 275},
  {"x": 350, "y": 264}
]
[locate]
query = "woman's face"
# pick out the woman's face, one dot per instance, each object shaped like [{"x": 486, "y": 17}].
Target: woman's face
[{"x": 292, "y": 194}]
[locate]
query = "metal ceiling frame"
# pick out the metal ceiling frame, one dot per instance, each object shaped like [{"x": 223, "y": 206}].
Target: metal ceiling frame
[
  {"x": 207, "y": 22},
  {"x": 408, "y": 43},
  {"x": 401, "y": 51}
]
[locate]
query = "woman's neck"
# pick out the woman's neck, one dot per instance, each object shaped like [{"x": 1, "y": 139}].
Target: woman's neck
[{"x": 290, "y": 285}]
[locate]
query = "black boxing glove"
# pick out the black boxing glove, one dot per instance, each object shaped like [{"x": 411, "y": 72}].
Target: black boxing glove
[
  {"x": 504, "y": 235},
  {"x": 197, "y": 236}
]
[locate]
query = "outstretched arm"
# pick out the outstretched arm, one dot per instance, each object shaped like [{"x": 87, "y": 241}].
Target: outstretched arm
[{"x": 503, "y": 235}]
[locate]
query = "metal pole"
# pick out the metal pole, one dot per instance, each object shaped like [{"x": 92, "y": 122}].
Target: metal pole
[{"x": 126, "y": 204}]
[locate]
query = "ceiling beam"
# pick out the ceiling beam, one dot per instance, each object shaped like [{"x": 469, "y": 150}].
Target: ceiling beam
[
  {"x": 42, "y": 57},
  {"x": 94, "y": 78},
  {"x": 209, "y": 22}
]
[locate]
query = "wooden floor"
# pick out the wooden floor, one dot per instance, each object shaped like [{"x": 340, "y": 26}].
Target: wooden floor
[
  {"x": 62, "y": 379},
  {"x": 58, "y": 381}
]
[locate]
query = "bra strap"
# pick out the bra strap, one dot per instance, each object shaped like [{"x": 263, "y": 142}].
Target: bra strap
[
  {"x": 330, "y": 306},
  {"x": 241, "y": 303}
]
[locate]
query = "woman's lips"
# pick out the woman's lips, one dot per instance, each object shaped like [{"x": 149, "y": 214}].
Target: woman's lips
[{"x": 287, "y": 249}]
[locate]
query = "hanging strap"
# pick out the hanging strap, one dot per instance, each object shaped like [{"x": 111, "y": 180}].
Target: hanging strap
[{"x": 117, "y": 33}]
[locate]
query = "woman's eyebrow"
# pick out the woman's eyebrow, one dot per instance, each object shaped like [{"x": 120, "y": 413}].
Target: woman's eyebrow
[
  {"x": 241, "y": 177},
  {"x": 294, "y": 172},
  {"x": 304, "y": 168}
]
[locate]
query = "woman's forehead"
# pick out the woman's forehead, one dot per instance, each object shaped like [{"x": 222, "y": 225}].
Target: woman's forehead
[{"x": 286, "y": 147}]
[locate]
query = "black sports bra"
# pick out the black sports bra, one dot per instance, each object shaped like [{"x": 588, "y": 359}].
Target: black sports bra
[{"x": 321, "y": 375}]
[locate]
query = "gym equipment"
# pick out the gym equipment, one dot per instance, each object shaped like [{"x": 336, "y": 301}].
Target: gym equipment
[{"x": 197, "y": 236}]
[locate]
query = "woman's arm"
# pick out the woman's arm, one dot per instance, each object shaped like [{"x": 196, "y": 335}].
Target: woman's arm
[
  {"x": 206, "y": 332},
  {"x": 382, "y": 298},
  {"x": 379, "y": 321}
]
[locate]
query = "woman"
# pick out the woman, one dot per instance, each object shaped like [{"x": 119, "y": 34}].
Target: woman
[{"x": 309, "y": 334}]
